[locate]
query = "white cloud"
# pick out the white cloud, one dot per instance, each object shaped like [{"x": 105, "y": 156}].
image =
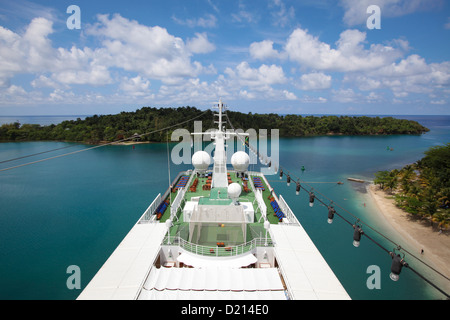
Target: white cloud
[
  {"x": 96, "y": 75},
  {"x": 289, "y": 95},
  {"x": 348, "y": 95},
  {"x": 59, "y": 95},
  {"x": 216, "y": 9},
  {"x": 409, "y": 75},
  {"x": 209, "y": 21},
  {"x": 32, "y": 52},
  {"x": 151, "y": 51},
  {"x": 315, "y": 81},
  {"x": 412, "y": 65},
  {"x": 309, "y": 99},
  {"x": 447, "y": 25},
  {"x": 37, "y": 46},
  {"x": 244, "y": 16},
  {"x": 349, "y": 55},
  {"x": 356, "y": 10},
  {"x": 284, "y": 15},
  {"x": 29, "y": 52},
  {"x": 16, "y": 95},
  {"x": 376, "y": 68},
  {"x": 263, "y": 50},
  {"x": 11, "y": 57},
  {"x": 14, "y": 90},
  {"x": 191, "y": 90},
  {"x": 262, "y": 77},
  {"x": 136, "y": 86},
  {"x": 126, "y": 46},
  {"x": 362, "y": 81},
  {"x": 345, "y": 95},
  {"x": 200, "y": 44},
  {"x": 247, "y": 95},
  {"x": 44, "y": 82}
]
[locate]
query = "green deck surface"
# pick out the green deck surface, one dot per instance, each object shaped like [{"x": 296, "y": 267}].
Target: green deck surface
[
  {"x": 229, "y": 234},
  {"x": 218, "y": 196}
]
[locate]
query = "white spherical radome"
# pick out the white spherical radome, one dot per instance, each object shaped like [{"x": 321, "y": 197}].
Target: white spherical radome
[
  {"x": 234, "y": 190},
  {"x": 201, "y": 160},
  {"x": 240, "y": 161}
]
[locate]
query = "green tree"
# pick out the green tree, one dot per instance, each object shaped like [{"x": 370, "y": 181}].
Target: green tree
[{"x": 382, "y": 178}]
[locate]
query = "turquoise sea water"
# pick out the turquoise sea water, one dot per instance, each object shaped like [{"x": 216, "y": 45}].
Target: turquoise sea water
[{"x": 75, "y": 210}]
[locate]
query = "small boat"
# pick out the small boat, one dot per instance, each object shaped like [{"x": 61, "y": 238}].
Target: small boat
[{"x": 355, "y": 180}]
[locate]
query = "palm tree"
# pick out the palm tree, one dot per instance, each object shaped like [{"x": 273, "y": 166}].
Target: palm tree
[{"x": 392, "y": 180}]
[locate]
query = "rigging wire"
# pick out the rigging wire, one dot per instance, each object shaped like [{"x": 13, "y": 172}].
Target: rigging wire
[
  {"x": 38, "y": 153},
  {"x": 103, "y": 145},
  {"x": 291, "y": 175},
  {"x": 168, "y": 170}
]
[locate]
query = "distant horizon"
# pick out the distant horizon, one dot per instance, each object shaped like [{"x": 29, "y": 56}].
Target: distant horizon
[{"x": 281, "y": 114}]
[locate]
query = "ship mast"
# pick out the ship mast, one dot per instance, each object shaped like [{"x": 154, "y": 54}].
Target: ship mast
[
  {"x": 220, "y": 106},
  {"x": 220, "y": 179}
]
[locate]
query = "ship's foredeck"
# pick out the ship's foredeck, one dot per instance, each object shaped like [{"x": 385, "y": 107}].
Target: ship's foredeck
[
  {"x": 225, "y": 232},
  {"x": 205, "y": 194}
]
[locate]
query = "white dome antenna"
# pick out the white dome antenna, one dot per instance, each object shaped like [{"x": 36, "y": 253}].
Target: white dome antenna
[
  {"x": 201, "y": 161},
  {"x": 234, "y": 191},
  {"x": 240, "y": 161}
]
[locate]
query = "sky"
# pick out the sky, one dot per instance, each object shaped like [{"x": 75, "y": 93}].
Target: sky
[{"x": 260, "y": 56}]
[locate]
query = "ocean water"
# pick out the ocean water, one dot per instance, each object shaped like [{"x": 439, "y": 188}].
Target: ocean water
[{"x": 75, "y": 210}]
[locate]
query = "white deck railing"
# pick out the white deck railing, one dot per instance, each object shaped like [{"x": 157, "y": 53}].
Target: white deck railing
[
  {"x": 261, "y": 205},
  {"x": 177, "y": 202},
  {"x": 147, "y": 216},
  {"x": 180, "y": 195},
  {"x": 215, "y": 251},
  {"x": 287, "y": 211}
]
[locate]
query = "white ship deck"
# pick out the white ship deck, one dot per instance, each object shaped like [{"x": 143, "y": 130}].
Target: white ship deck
[
  {"x": 305, "y": 272},
  {"x": 303, "y": 269},
  {"x": 122, "y": 275},
  {"x": 234, "y": 240}
]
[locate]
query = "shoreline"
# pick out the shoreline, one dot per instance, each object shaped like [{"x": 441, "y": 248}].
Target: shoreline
[{"x": 419, "y": 235}]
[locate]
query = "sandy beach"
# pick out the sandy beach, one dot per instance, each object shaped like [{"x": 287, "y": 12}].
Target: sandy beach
[{"x": 419, "y": 234}]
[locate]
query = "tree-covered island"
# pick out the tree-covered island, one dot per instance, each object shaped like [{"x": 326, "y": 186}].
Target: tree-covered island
[{"x": 109, "y": 128}]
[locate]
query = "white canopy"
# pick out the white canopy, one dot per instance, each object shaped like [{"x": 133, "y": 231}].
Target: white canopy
[
  {"x": 211, "y": 295},
  {"x": 213, "y": 283},
  {"x": 225, "y": 262}
]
